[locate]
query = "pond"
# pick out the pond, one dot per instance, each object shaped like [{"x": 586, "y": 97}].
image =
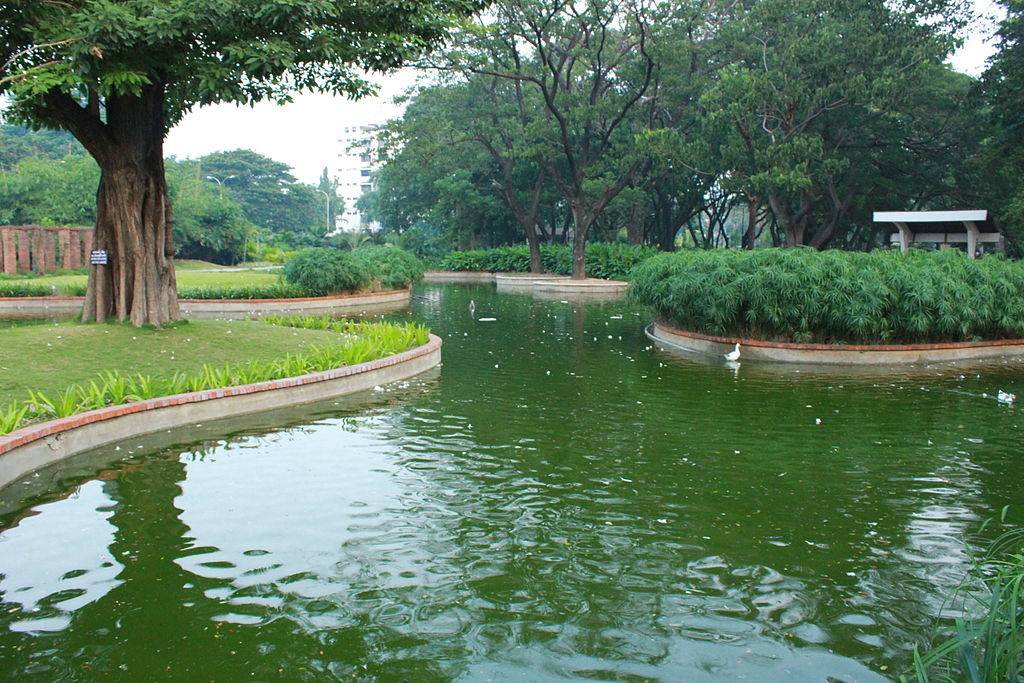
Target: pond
[{"x": 560, "y": 500}]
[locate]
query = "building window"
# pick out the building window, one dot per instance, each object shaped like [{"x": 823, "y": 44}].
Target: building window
[{"x": 365, "y": 173}]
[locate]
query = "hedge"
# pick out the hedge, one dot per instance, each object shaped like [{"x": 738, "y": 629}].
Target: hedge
[
  {"x": 612, "y": 261},
  {"x": 804, "y": 295}
]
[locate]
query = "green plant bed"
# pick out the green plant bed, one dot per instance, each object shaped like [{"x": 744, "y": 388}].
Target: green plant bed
[
  {"x": 55, "y": 370},
  {"x": 606, "y": 261},
  {"x": 804, "y": 295}
]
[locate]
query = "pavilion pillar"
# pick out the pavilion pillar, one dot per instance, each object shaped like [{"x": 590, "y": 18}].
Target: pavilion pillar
[
  {"x": 24, "y": 259},
  {"x": 906, "y": 237},
  {"x": 972, "y": 238},
  {"x": 10, "y": 242}
]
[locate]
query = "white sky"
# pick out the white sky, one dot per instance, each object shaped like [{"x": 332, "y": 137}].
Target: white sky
[{"x": 304, "y": 133}]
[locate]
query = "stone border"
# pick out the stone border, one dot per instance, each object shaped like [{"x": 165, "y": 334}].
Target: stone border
[
  {"x": 458, "y": 277},
  {"x": 591, "y": 289},
  {"x": 32, "y": 307},
  {"x": 835, "y": 354},
  {"x": 30, "y": 448}
]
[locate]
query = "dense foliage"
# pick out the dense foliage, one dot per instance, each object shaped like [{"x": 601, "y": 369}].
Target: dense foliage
[
  {"x": 609, "y": 261},
  {"x": 359, "y": 342},
  {"x": 688, "y": 124},
  {"x": 389, "y": 267},
  {"x": 290, "y": 213},
  {"x": 833, "y": 296},
  {"x": 319, "y": 272}
]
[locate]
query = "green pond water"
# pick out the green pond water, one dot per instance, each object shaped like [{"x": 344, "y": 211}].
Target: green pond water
[{"x": 561, "y": 499}]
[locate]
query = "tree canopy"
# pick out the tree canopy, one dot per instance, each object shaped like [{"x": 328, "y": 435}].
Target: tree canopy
[{"x": 781, "y": 122}]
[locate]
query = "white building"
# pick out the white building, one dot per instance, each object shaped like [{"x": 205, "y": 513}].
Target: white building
[{"x": 354, "y": 166}]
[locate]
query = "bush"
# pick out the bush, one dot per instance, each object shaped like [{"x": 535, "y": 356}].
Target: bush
[
  {"x": 612, "y": 261},
  {"x": 834, "y": 296},
  {"x": 319, "y": 272},
  {"x": 389, "y": 267}
]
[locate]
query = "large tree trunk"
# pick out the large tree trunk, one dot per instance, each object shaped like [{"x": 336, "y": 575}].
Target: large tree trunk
[
  {"x": 133, "y": 225},
  {"x": 750, "y": 236},
  {"x": 579, "y": 244},
  {"x": 533, "y": 240},
  {"x": 133, "y": 211},
  {"x": 635, "y": 227}
]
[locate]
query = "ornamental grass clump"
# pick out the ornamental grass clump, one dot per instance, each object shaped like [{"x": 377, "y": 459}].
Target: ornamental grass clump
[
  {"x": 389, "y": 267},
  {"x": 320, "y": 271},
  {"x": 987, "y": 644},
  {"x": 358, "y": 342},
  {"x": 835, "y": 296}
]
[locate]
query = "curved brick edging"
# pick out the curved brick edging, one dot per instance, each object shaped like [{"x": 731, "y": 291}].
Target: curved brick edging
[
  {"x": 30, "y": 307},
  {"x": 30, "y": 448},
  {"x": 835, "y": 354},
  {"x": 458, "y": 277}
]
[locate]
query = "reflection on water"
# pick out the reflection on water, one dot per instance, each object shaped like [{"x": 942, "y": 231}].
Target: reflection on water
[
  {"x": 56, "y": 560},
  {"x": 564, "y": 499}
]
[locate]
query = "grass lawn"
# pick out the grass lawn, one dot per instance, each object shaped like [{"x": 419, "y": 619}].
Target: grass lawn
[
  {"x": 187, "y": 279},
  {"x": 49, "y": 357}
]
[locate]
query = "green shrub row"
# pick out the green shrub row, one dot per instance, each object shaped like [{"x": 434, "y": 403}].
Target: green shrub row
[
  {"x": 18, "y": 288},
  {"x": 358, "y": 342},
  {"x": 271, "y": 291},
  {"x": 835, "y": 296},
  {"x": 610, "y": 261},
  {"x": 320, "y": 271}
]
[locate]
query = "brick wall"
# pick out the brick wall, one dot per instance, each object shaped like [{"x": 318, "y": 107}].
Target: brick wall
[{"x": 43, "y": 249}]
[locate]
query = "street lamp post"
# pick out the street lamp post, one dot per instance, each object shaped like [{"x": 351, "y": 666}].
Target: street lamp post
[
  {"x": 327, "y": 210},
  {"x": 245, "y": 238}
]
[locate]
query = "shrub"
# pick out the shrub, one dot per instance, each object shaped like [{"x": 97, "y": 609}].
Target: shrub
[
  {"x": 835, "y": 296},
  {"x": 612, "y": 261},
  {"x": 389, "y": 267},
  {"x": 320, "y": 272}
]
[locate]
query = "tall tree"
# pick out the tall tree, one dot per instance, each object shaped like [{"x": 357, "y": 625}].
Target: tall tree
[
  {"x": 1004, "y": 89},
  {"x": 118, "y": 74},
  {"x": 805, "y": 83},
  {"x": 591, "y": 66}
]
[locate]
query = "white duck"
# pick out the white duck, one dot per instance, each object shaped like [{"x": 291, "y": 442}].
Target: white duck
[
  {"x": 733, "y": 355},
  {"x": 1005, "y": 397}
]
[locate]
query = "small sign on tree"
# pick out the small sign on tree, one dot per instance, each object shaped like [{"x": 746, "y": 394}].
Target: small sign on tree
[{"x": 98, "y": 257}]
